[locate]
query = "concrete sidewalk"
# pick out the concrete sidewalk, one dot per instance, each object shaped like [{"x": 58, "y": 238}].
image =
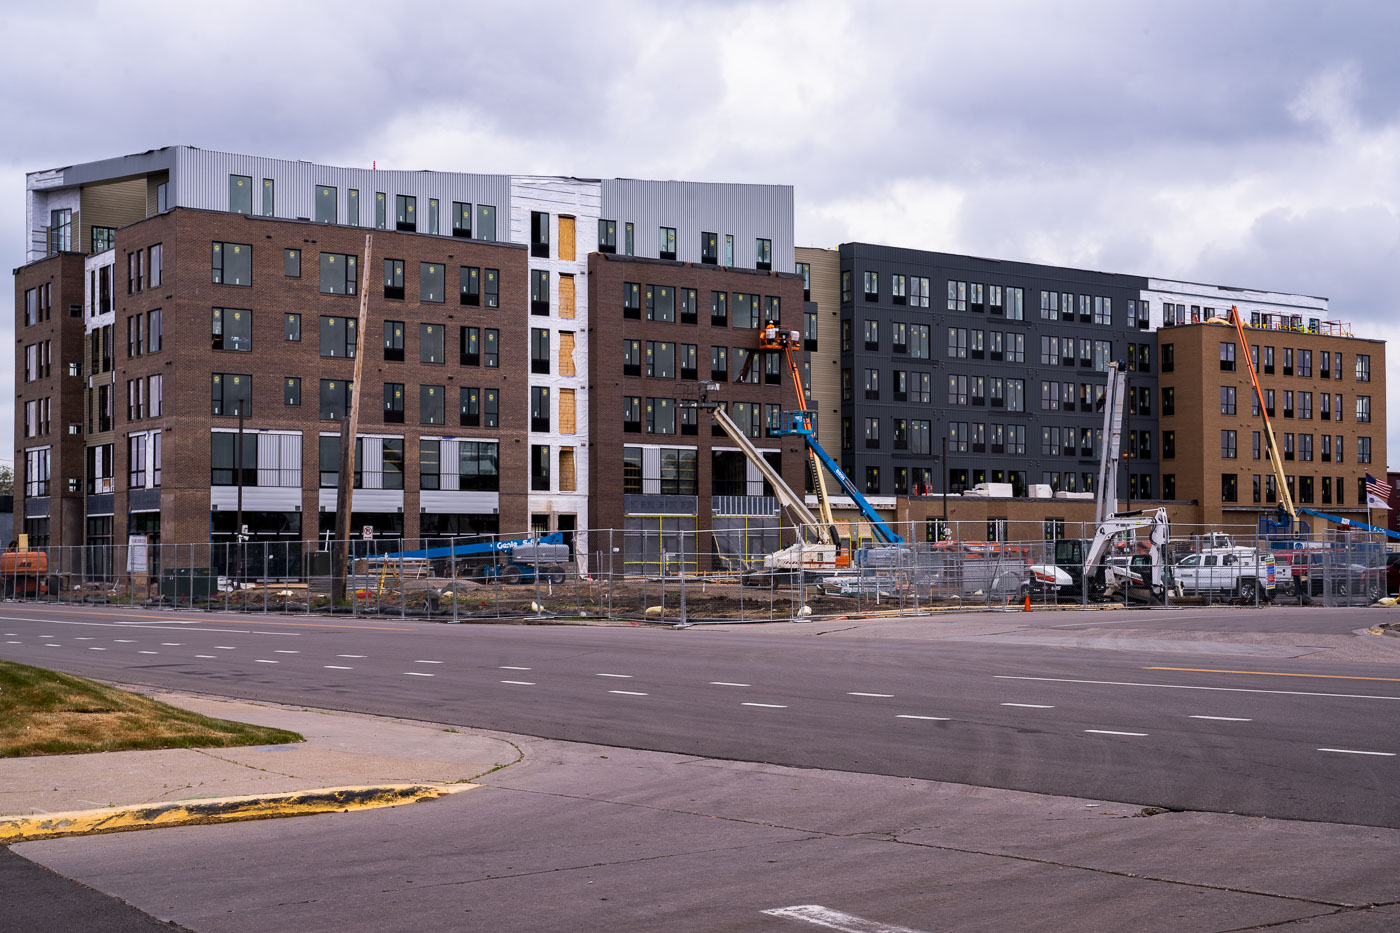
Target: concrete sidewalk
[{"x": 341, "y": 749}]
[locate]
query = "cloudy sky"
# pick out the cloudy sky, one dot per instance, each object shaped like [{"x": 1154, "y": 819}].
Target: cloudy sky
[{"x": 1243, "y": 143}]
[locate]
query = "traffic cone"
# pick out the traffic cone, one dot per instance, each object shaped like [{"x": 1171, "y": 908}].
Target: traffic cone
[{"x": 1027, "y": 606}]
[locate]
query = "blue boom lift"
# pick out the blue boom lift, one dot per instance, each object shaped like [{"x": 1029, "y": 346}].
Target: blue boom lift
[{"x": 516, "y": 560}]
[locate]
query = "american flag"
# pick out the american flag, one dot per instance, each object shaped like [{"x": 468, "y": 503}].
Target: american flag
[{"x": 1376, "y": 489}]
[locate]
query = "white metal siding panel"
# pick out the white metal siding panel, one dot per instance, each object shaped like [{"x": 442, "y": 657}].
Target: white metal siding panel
[
  {"x": 256, "y": 498},
  {"x": 455, "y": 502},
  {"x": 746, "y": 211}
]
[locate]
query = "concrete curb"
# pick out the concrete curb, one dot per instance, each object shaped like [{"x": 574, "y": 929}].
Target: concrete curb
[{"x": 15, "y": 829}]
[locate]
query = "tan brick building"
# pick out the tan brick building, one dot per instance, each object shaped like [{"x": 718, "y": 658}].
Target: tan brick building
[{"x": 1325, "y": 393}]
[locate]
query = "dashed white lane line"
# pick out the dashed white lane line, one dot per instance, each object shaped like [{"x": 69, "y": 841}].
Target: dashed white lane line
[
  {"x": 1111, "y": 732},
  {"x": 14, "y": 642},
  {"x": 83, "y": 638},
  {"x": 1029, "y": 705},
  {"x": 148, "y": 652},
  {"x": 427, "y": 662},
  {"x": 1222, "y": 718},
  {"x": 623, "y": 676},
  {"x": 885, "y": 695},
  {"x": 829, "y": 919},
  {"x": 171, "y": 644},
  {"x": 726, "y": 683},
  {"x": 1124, "y": 683},
  {"x": 227, "y": 647},
  {"x": 284, "y": 651},
  {"x": 765, "y": 705},
  {"x": 206, "y": 656},
  {"x": 349, "y": 656},
  {"x": 90, "y": 648},
  {"x": 522, "y": 683},
  {"x": 507, "y": 667},
  {"x": 417, "y": 674},
  {"x": 336, "y": 667},
  {"x": 263, "y": 661},
  {"x": 629, "y": 693},
  {"x": 1353, "y": 751},
  {"x": 124, "y": 641},
  {"x": 912, "y": 716}
]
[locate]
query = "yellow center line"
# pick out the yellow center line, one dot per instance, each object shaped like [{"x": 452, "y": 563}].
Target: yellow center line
[
  {"x": 155, "y": 619},
  {"x": 1212, "y": 670}
]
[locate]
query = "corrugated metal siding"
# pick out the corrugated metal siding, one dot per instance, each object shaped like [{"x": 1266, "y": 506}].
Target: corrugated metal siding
[
  {"x": 202, "y": 178},
  {"x": 826, "y": 360},
  {"x": 746, "y": 211}
]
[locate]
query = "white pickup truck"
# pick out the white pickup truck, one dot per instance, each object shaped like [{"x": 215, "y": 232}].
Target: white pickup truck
[{"x": 1235, "y": 572}]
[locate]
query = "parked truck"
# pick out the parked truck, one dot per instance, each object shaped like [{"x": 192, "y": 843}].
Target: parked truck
[{"x": 1228, "y": 572}]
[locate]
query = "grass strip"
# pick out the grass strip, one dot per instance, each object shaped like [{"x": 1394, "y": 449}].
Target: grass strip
[{"x": 45, "y": 712}]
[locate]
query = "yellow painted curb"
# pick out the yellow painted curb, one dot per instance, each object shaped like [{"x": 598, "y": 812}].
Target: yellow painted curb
[{"x": 218, "y": 810}]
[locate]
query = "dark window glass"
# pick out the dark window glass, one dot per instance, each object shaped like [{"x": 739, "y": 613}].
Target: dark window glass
[
  {"x": 325, "y": 204},
  {"x": 232, "y": 394},
  {"x": 405, "y": 212},
  {"x": 291, "y": 263},
  {"x": 393, "y": 341},
  {"x": 291, "y": 327},
  {"x": 232, "y": 264},
  {"x": 232, "y": 329},
  {"x": 338, "y": 274},
  {"x": 393, "y": 403},
  {"x": 291, "y": 390},
  {"x": 431, "y": 286},
  {"x": 338, "y": 337},
  {"x": 393, "y": 278},
  {"x": 240, "y": 194},
  {"x": 431, "y": 344},
  {"x": 461, "y": 219},
  {"x": 470, "y": 282}
]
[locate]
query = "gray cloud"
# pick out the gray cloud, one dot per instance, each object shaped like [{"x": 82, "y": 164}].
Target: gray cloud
[{"x": 1252, "y": 143}]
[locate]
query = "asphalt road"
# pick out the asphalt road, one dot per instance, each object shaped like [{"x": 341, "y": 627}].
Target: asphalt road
[{"x": 1266, "y": 736}]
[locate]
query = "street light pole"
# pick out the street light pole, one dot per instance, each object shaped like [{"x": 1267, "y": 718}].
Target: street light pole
[{"x": 238, "y": 520}]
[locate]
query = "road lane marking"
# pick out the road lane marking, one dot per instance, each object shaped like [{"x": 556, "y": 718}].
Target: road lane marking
[
  {"x": 507, "y": 667},
  {"x": 417, "y": 674},
  {"x": 820, "y": 916},
  {"x": 336, "y": 667},
  {"x": 1111, "y": 732},
  {"x": 1223, "y": 718},
  {"x": 79, "y": 638},
  {"x": 765, "y": 705},
  {"x": 90, "y": 648},
  {"x": 885, "y": 695},
  {"x": 725, "y": 683},
  {"x": 624, "y": 676},
  {"x": 1353, "y": 751},
  {"x": 206, "y": 656},
  {"x": 1029, "y": 705},
  {"x": 522, "y": 683},
  {"x": 157, "y": 622},
  {"x": 1212, "y": 670},
  {"x": 14, "y": 642},
  {"x": 912, "y": 716},
  {"x": 263, "y": 661},
  {"x": 125, "y": 641},
  {"x": 350, "y": 656},
  {"x": 1125, "y": 683},
  {"x": 148, "y": 652},
  {"x": 171, "y": 644},
  {"x": 427, "y": 662},
  {"x": 284, "y": 651},
  {"x": 227, "y": 647},
  {"x": 629, "y": 693}
]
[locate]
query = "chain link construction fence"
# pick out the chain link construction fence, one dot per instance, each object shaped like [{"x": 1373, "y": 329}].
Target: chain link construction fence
[{"x": 672, "y": 575}]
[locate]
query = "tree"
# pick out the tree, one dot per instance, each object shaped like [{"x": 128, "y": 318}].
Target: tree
[{"x": 7, "y": 480}]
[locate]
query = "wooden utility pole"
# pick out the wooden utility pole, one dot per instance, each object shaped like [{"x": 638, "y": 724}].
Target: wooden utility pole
[{"x": 349, "y": 428}]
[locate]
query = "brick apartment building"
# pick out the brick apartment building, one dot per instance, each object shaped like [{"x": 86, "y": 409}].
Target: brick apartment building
[
  {"x": 1325, "y": 394},
  {"x": 660, "y": 331},
  {"x": 143, "y": 348}
]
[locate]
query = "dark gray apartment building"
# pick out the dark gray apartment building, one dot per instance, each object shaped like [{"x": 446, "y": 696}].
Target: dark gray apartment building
[{"x": 1005, "y": 361}]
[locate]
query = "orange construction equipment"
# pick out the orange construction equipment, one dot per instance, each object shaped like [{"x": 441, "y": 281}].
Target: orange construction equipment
[{"x": 24, "y": 572}]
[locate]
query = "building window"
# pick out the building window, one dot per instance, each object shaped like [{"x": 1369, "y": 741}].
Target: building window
[
  {"x": 338, "y": 274},
  {"x": 1229, "y": 487},
  {"x": 957, "y": 296},
  {"x": 267, "y": 201},
  {"x": 430, "y": 404},
  {"x": 746, "y": 314},
  {"x": 661, "y": 304},
  {"x": 607, "y": 236},
  {"x": 335, "y": 399},
  {"x": 661, "y": 359},
  {"x": 1363, "y": 450},
  {"x": 232, "y": 264},
  {"x": 393, "y": 278},
  {"x": 666, "y": 242},
  {"x": 763, "y": 254},
  {"x": 326, "y": 204},
  {"x": 1363, "y": 367},
  {"x": 103, "y": 238},
  {"x": 539, "y": 467},
  {"x": 338, "y": 337},
  {"x": 629, "y": 241},
  {"x": 232, "y": 329},
  {"x": 232, "y": 394},
  {"x": 1227, "y": 445},
  {"x": 709, "y": 248},
  {"x": 661, "y": 416},
  {"x": 539, "y": 351},
  {"x": 632, "y": 300},
  {"x": 539, "y": 408},
  {"x": 539, "y": 290},
  {"x": 431, "y": 284},
  {"x": 1227, "y": 400},
  {"x": 431, "y": 343},
  {"x": 872, "y": 286},
  {"x": 719, "y": 309},
  {"x": 291, "y": 390},
  {"x": 469, "y": 407},
  {"x": 632, "y": 414},
  {"x": 406, "y": 212},
  {"x": 291, "y": 263},
  {"x": 1227, "y": 357},
  {"x": 539, "y": 234},
  {"x": 1363, "y": 409},
  {"x": 689, "y": 302},
  {"x": 847, "y": 290},
  {"x": 719, "y": 364},
  {"x": 393, "y": 342},
  {"x": 872, "y": 480},
  {"x": 291, "y": 328},
  {"x": 156, "y": 395},
  {"x": 240, "y": 194},
  {"x": 352, "y": 207}
]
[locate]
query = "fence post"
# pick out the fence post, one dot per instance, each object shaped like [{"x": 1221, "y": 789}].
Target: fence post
[
  {"x": 452, "y": 562},
  {"x": 610, "y": 573},
  {"x": 681, "y": 620}
]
